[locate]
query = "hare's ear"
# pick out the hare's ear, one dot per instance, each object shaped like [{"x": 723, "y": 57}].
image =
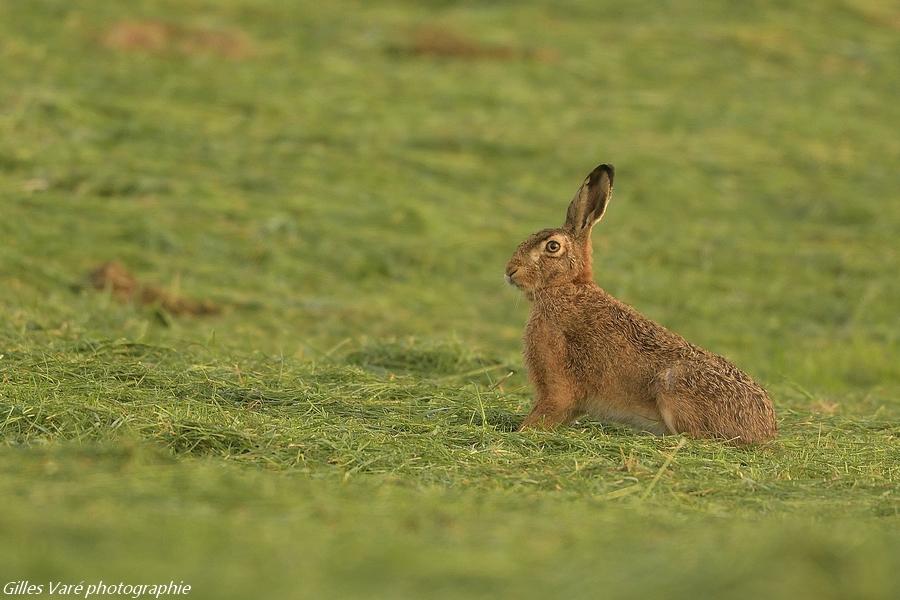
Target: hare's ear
[{"x": 590, "y": 202}]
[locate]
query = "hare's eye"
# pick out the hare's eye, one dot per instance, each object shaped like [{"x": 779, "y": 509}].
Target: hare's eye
[{"x": 552, "y": 246}]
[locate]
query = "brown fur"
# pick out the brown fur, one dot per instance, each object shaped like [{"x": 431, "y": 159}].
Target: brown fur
[{"x": 587, "y": 353}]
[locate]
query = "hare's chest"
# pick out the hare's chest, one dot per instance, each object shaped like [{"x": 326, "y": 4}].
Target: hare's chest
[{"x": 544, "y": 350}]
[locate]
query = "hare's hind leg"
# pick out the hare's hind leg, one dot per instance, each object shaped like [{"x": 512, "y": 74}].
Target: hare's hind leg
[
  {"x": 675, "y": 407},
  {"x": 703, "y": 402}
]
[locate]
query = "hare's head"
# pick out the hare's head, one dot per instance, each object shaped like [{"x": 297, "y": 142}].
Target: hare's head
[{"x": 554, "y": 257}]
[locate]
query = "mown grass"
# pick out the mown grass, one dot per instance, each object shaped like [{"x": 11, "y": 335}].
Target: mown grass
[
  {"x": 346, "y": 180},
  {"x": 328, "y": 479}
]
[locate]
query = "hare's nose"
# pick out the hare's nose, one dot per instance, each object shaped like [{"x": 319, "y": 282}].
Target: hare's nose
[{"x": 510, "y": 271}]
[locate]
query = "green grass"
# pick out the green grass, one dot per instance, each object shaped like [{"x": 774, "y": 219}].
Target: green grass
[{"x": 345, "y": 428}]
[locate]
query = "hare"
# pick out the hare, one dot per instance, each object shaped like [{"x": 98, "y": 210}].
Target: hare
[{"x": 588, "y": 353}]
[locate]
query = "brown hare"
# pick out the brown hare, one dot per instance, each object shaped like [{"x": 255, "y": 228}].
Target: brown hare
[{"x": 587, "y": 353}]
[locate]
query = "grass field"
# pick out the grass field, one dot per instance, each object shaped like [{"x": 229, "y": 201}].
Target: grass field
[{"x": 344, "y": 182}]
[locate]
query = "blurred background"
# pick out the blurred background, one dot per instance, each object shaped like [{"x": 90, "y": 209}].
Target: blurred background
[
  {"x": 340, "y": 170},
  {"x": 343, "y": 182}
]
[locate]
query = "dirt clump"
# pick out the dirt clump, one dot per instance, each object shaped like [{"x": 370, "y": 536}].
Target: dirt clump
[
  {"x": 436, "y": 41},
  {"x": 125, "y": 287},
  {"x": 158, "y": 37}
]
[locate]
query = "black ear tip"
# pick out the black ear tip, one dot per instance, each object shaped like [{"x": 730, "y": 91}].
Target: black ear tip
[{"x": 601, "y": 169}]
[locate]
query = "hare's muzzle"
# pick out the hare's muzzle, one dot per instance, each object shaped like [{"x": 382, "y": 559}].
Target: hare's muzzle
[{"x": 509, "y": 275}]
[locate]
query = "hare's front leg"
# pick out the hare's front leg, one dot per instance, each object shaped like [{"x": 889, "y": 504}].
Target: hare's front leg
[{"x": 553, "y": 406}]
